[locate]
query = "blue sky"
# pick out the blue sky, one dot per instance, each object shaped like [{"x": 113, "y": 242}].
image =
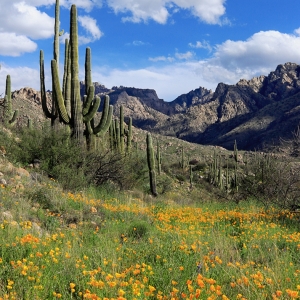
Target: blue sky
[{"x": 170, "y": 46}]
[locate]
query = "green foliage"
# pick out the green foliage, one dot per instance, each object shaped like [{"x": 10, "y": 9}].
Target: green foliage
[
  {"x": 273, "y": 180},
  {"x": 138, "y": 230},
  {"x": 164, "y": 184}
]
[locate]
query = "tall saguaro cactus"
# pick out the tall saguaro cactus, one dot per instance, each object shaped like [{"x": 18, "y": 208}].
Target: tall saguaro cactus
[
  {"x": 67, "y": 101},
  {"x": 151, "y": 165},
  {"x": 129, "y": 135},
  {"x": 9, "y": 117}
]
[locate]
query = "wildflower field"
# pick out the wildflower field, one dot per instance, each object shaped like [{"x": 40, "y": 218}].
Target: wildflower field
[{"x": 132, "y": 249}]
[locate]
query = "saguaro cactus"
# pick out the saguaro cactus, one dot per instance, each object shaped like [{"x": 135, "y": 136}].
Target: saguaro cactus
[
  {"x": 151, "y": 165},
  {"x": 68, "y": 102},
  {"x": 9, "y": 117},
  {"x": 158, "y": 157},
  {"x": 129, "y": 135},
  {"x": 122, "y": 132},
  {"x": 191, "y": 176}
]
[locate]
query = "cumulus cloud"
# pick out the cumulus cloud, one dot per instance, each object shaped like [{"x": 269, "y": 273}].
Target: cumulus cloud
[
  {"x": 91, "y": 27},
  {"x": 137, "y": 43},
  {"x": 178, "y": 56},
  {"x": 169, "y": 81},
  {"x": 186, "y": 55},
  {"x": 209, "y": 11},
  {"x": 20, "y": 77},
  {"x": 15, "y": 45},
  {"x": 258, "y": 55},
  {"x": 204, "y": 45},
  {"x": 24, "y": 19},
  {"x": 161, "y": 58},
  {"x": 87, "y": 5}
]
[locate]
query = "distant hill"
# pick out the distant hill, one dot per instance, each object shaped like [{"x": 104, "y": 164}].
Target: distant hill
[{"x": 256, "y": 112}]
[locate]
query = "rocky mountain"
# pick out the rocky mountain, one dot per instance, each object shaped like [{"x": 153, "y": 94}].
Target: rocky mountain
[{"x": 256, "y": 112}]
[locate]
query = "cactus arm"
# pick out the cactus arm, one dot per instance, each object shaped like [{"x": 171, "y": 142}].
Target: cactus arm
[
  {"x": 68, "y": 82},
  {"x": 89, "y": 128},
  {"x": 14, "y": 117},
  {"x": 129, "y": 135},
  {"x": 122, "y": 128},
  {"x": 45, "y": 108},
  {"x": 58, "y": 94},
  {"x": 93, "y": 109},
  {"x": 88, "y": 72},
  {"x": 65, "y": 68},
  {"x": 88, "y": 101},
  {"x": 56, "y": 33},
  {"x": 105, "y": 127},
  {"x": 105, "y": 118},
  {"x": 117, "y": 135}
]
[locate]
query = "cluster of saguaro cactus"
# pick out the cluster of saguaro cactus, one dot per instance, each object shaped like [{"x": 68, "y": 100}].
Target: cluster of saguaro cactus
[
  {"x": 151, "y": 164},
  {"x": 9, "y": 117},
  {"x": 118, "y": 133},
  {"x": 67, "y": 106},
  {"x": 224, "y": 179}
]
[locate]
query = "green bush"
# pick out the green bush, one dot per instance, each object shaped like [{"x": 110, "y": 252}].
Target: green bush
[{"x": 138, "y": 230}]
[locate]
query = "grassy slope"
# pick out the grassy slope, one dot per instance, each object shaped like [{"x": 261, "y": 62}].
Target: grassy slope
[{"x": 97, "y": 245}]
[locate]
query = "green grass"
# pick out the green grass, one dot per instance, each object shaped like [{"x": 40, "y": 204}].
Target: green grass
[{"x": 91, "y": 245}]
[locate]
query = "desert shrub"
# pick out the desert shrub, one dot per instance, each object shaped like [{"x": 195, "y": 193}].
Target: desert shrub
[
  {"x": 127, "y": 171},
  {"x": 200, "y": 166},
  {"x": 273, "y": 180},
  {"x": 164, "y": 184},
  {"x": 138, "y": 230}
]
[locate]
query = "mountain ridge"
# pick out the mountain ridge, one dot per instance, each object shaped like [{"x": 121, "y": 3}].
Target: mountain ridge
[{"x": 256, "y": 112}]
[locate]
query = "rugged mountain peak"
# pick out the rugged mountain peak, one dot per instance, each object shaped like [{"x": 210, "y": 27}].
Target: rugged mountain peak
[
  {"x": 255, "y": 83},
  {"x": 283, "y": 82},
  {"x": 99, "y": 88},
  {"x": 194, "y": 97}
]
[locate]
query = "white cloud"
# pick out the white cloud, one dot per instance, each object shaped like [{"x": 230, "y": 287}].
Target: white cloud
[
  {"x": 20, "y": 77},
  {"x": 63, "y": 38},
  {"x": 169, "y": 81},
  {"x": 204, "y": 45},
  {"x": 90, "y": 25},
  {"x": 15, "y": 45},
  {"x": 208, "y": 11},
  {"x": 186, "y": 55},
  {"x": 161, "y": 58},
  {"x": 263, "y": 49},
  {"x": 258, "y": 55},
  {"x": 24, "y": 19},
  {"x": 139, "y": 43},
  {"x": 87, "y": 5}
]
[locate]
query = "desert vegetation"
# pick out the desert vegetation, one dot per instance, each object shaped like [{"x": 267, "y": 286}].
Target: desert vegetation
[{"x": 108, "y": 211}]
